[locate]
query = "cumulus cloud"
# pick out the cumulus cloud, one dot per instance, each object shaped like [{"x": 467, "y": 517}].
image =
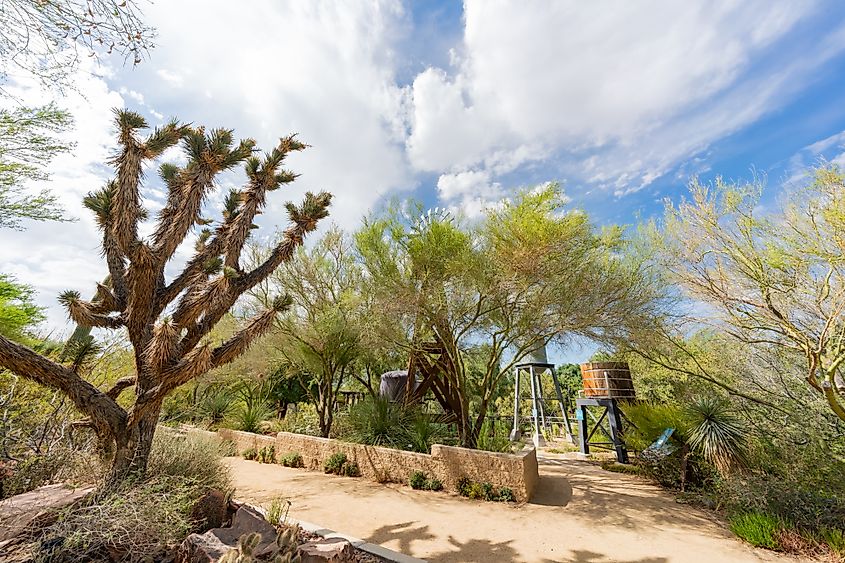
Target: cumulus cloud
[{"x": 616, "y": 97}]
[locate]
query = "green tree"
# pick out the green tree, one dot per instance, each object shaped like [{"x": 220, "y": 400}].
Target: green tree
[
  {"x": 49, "y": 38},
  {"x": 319, "y": 339},
  {"x": 168, "y": 323},
  {"x": 28, "y": 143},
  {"x": 769, "y": 280},
  {"x": 529, "y": 273},
  {"x": 18, "y": 312}
]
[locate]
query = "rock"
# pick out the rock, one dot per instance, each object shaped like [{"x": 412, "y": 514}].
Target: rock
[
  {"x": 35, "y": 509},
  {"x": 212, "y": 545},
  {"x": 210, "y": 510},
  {"x": 327, "y": 550}
]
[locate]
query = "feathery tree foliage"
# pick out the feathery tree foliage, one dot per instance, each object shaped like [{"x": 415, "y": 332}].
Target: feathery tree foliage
[
  {"x": 27, "y": 144},
  {"x": 17, "y": 310},
  {"x": 527, "y": 274},
  {"x": 320, "y": 340},
  {"x": 48, "y": 38},
  {"x": 771, "y": 280},
  {"x": 168, "y": 322}
]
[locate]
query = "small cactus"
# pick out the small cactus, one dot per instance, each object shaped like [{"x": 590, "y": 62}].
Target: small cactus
[
  {"x": 243, "y": 553},
  {"x": 287, "y": 542}
]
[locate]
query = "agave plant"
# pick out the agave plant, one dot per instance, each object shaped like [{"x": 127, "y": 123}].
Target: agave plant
[{"x": 716, "y": 433}]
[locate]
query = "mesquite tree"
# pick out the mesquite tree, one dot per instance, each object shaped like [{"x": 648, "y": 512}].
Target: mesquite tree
[{"x": 168, "y": 322}]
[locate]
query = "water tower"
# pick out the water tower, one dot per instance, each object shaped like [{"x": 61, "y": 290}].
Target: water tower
[{"x": 529, "y": 374}]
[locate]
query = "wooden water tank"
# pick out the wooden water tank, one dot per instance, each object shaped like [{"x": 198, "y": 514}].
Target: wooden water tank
[{"x": 607, "y": 380}]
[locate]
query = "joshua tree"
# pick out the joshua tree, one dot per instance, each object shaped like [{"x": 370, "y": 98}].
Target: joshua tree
[{"x": 167, "y": 322}]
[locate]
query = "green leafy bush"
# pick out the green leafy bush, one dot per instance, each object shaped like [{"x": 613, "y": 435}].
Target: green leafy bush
[
  {"x": 351, "y": 469},
  {"x": 494, "y": 438},
  {"x": 434, "y": 484},
  {"x": 476, "y": 491},
  {"x": 334, "y": 464},
  {"x": 250, "y": 454},
  {"x": 506, "y": 495},
  {"x": 487, "y": 491},
  {"x": 758, "y": 529},
  {"x": 463, "y": 486},
  {"x": 267, "y": 454},
  {"x": 417, "y": 480},
  {"x": 293, "y": 459}
]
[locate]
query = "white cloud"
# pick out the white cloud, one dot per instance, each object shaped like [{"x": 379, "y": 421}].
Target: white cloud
[
  {"x": 618, "y": 97},
  {"x": 54, "y": 257}
]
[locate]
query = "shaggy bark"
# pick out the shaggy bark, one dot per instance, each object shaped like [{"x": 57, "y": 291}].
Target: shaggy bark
[{"x": 169, "y": 352}]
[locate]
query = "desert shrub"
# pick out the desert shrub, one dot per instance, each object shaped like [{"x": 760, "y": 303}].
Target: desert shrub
[
  {"x": 506, "y": 495},
  {"x": 476, "y": 491},
  {"x": 250, "y": 454},
  {"x": 834, "y": 539},
  {"x": 493, "y": 438},
  {"x": 300, "y": 419},
  {"x": 351, "y": 469},
  {"x": 293, "y": 459},
  {"x": 805, "y": 486},
  {"x": 215, "y": 405},
  {"x": 334, "y": 464},
  {"x": 192, "y": 456},
  {"x": 756, "y": 528},
  {"x": 139, "y": 521},
  {"x": 417, "y": 480},
  {"x": 434, "y": 484},
  {"x": 252, "y": 409},
  {"x": 422, "y": 432},
  {"x": 488, "y": 492},
  {"x": 376, "y": 421},
  {"x": 463, "y": 486},
  {"x": 267, "y": 454}
]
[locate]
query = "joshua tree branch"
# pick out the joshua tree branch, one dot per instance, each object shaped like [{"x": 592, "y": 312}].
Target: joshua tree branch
[{"x": 102, "y": 409}]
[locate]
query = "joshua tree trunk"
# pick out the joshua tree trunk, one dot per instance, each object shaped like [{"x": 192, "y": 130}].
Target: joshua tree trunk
[{"x": 170, "y": 350}]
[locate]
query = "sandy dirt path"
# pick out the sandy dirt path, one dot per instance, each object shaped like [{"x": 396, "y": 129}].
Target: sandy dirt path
[{"x": 580, "y": 514}]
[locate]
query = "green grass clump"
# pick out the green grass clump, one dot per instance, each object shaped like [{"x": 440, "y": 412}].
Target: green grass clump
[
  {"x": 250, "y": 454},
  {"x": 756, "y": 528},
  {"x": 483, "y": 491},
  {"x": 293, "y": 459}
]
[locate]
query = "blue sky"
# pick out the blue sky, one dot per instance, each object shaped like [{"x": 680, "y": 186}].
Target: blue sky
[{"x": 459, "y": 105}]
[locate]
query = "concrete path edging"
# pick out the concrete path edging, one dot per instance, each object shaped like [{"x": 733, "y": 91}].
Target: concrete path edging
[{"x": 371, "y": 548}]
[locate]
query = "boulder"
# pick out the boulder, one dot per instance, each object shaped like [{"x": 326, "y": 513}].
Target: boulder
[
  {"x": 327, "y": 550},
  {"x": 35, "y": 509},
  {"x": 210, "y": 510},
  {"x": 212, "y": 545}
]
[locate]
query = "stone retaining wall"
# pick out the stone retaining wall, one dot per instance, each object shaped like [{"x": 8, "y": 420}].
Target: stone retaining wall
[{"x": 447, "y": 463}]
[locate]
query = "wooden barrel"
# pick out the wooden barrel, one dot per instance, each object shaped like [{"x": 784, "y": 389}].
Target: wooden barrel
[{"x": 609, "y": 380}]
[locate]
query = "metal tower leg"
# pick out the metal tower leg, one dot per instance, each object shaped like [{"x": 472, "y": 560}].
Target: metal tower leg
[
  {"x": 616, "y": 432},
  {"x": 515, "y": 433},
  {"x": 563, "y": 408},
  {"x": 535, "y": 411}
]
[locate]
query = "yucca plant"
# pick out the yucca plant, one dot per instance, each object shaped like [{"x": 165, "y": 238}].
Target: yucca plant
[
  {"x": 377, "y": 421},
  {"x": 252, "y": 409},
  {"x": 715, "y": 433},
  {"x": 168, "y": 319},
  {"x": 215, "y": 405}
]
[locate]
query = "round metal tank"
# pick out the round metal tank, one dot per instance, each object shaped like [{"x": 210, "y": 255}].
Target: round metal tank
[{"x": 607, "y": 380}]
